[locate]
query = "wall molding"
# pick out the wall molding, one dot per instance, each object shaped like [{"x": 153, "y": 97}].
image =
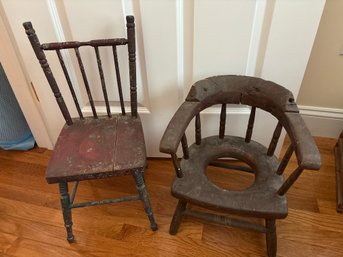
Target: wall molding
[
  {"x": 321, "y": 112},
  {"x": 101, "y": 109},
  {"x": 322, "y": 121}
]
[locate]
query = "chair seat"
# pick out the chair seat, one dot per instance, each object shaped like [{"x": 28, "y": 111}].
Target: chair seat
[
  {"x": 89, "y": 149},
  {"x": 196, "y": 188}
]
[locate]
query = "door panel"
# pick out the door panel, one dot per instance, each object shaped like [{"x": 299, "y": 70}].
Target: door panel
[
  {"x": 222, "y": 31},
  {"x": 178, "y": 43}
]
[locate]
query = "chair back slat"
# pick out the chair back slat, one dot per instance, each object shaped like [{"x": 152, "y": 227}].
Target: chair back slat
[
  {"x": 71, "y": 88},
  {"x": 250, "y": 124},
  {"x": 285, "y": 160},
  {"x": 113, "y": 43},
  {"x": 47, "y": 71},
  {"x": 275, "y": 139},
  {"x": 177, "y": 166},
  {"x": 222, "y": 121},
  {"x": 85, "y": 81},
  {"x": 102, "y": 79},
  {"x": 131, "y": 45},
  {"x": 120, "y": 91},
  {"x": 185, "y": 147},
  {"x": 290, "y": 181},
  {"x": 197, "y": 129}
]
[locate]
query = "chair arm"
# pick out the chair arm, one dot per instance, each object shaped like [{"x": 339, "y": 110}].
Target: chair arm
[
  {"x": 177, "y": 127},
  {"x": 305, "y": 148}
]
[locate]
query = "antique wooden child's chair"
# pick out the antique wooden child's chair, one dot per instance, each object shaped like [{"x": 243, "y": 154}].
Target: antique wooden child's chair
[
  {"x": 265, "y": 198},
  {"x": 100, "y": 146}
]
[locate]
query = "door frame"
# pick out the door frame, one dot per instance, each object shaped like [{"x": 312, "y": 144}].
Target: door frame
[{"x": 22, "y": 87}]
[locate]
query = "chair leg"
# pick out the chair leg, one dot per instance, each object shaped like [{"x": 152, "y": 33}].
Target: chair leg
[
  {"x": 65, "y": 202},
  {"x": 139, "y": 179},
  {"x": 177, "y": 218},
  {"x": 271, "y": 238}
]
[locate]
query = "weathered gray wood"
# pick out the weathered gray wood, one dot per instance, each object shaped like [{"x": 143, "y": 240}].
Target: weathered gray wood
[
  {"x": 228, "y": 165},
  {"x": 222, "y": 121},
  {"x": 275, "y": 139},
  {"x": 177, "y": 217},
  {"x": 177, "y": 166},
  {"x": 197, "y": 129},
  {"x": 250, "y": 128},
  {"x": 252, "y": 201},
  {"x": 184, "y": 146},
  {"x": 265, "y": 198},
  {"x": 225, "y": 220},
  {"x": 290, "y": 181},
  {"x": 305, "y": 148},
  {"x": 271, "y": 239},
  {"x": 285, "y": 160}
]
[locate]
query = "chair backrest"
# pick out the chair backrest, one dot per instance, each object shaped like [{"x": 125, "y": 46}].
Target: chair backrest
[
  {"x": 256, "y": 93},
  {"x": 96, "y": 44}
]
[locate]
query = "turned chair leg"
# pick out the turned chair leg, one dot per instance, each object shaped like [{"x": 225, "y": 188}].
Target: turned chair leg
[
  {"x": 140, "y": 185},
  {"x": 65, "y": 203},
  {"x": 271, "y": 238},
  {"x": 177, "y": 218}
]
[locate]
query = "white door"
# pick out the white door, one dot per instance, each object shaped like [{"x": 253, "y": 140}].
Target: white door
[{"x": 179, "y": 42}]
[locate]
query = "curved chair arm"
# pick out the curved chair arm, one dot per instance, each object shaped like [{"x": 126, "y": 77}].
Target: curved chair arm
[
  {"x": 177, "y": 127},
  {"x": 305, "y": 148}
]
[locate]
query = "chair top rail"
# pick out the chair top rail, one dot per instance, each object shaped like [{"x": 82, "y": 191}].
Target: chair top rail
[
  {"x": 77, "y": 44},
  {"x": 251, "y": 91}
]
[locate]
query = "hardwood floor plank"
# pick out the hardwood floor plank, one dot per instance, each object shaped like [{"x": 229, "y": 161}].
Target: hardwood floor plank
[{"x": 31, "y": 220}]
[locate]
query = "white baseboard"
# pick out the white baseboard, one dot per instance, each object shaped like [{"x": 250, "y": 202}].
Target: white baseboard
[{"x": 322, "y": 121}]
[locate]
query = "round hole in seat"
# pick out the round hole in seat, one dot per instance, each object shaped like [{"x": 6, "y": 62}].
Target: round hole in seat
[{"x": 230, "y": 178}]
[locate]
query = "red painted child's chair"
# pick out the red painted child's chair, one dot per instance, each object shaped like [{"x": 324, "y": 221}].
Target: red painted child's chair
[
  {"x": 100, "y": 146},
  {"x": 265, "y": 198}
]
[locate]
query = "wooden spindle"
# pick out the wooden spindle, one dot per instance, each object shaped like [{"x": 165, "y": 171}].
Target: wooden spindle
[
  {"x": 250, "y": 124},
  {"x": 184, "y": 146},
  {"x": 231, "y": 166},
  {"x": 222, "y": 121},
  {"x": 120, "y": 91},
  {"x": 31, "y": 34},
  {"x": 85, "y": 80},
  {"x": 285, "y": 160},
  {"x": 177, "y": 166},
  {"x": 290, "y": 181},
  {"x": 130, "y": 24},
  {"x": 71, "y": 88},
  {"x": 275, "y": 139},
  {"x": 197, "y": 129},
  {"x": 102, "y": 79}
]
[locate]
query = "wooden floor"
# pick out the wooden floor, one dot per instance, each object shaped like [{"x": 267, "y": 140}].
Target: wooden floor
[{"x": 31, "y": 222}]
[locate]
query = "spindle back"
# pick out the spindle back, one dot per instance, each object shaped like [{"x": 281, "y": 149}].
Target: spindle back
[
  {"x": 95, "y": 44},
  {"x": 256, "y": 93}
]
